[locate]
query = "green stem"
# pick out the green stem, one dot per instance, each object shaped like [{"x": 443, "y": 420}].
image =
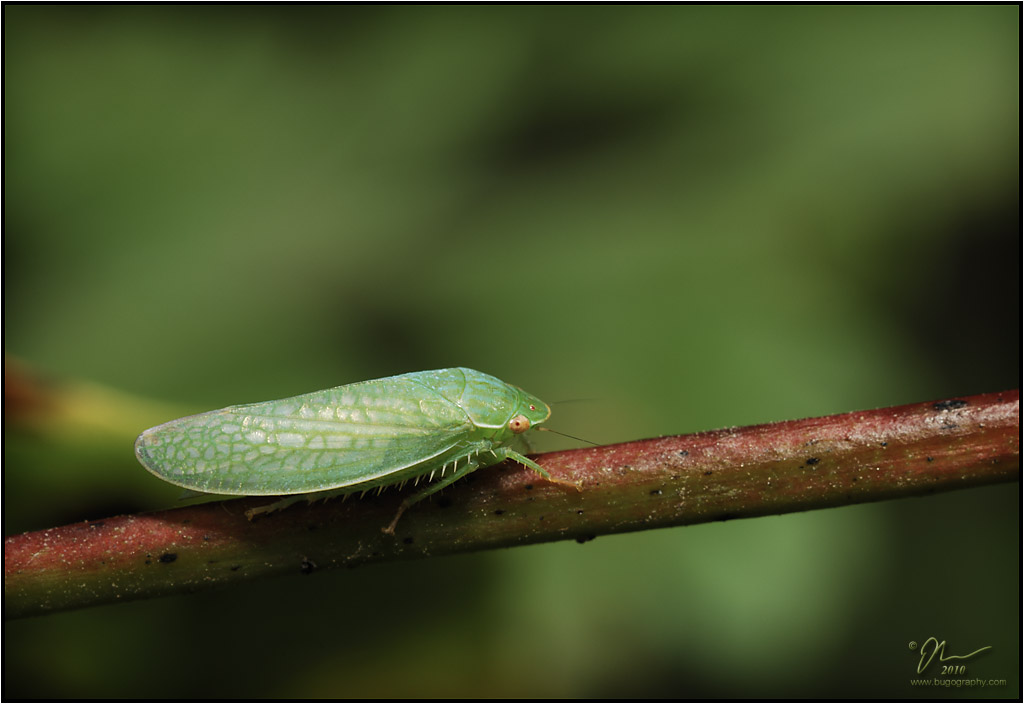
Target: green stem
[{"x": 711, "y": 476}]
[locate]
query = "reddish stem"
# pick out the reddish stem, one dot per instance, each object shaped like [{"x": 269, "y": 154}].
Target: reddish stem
[{"x": 733, "y": 473}]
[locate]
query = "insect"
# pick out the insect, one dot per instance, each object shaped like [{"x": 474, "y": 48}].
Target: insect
[{"x": 367, "y": 435}]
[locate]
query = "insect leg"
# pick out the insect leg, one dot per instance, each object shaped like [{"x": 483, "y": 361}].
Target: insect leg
[
  {"x": 286, "y": 501},
  {"x": 507, "y": 453},
  {"x": 428, "y": 490},
  {"x": 276, "y": 506}
]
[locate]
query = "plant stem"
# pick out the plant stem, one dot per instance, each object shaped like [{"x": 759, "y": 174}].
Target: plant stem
[{"x": 671, "y": 481}]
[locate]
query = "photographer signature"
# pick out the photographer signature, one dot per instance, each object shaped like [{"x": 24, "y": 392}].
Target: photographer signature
[{"x": 932, "y": 647}]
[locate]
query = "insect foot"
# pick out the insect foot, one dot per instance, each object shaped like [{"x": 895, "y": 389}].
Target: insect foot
[
  {"x": 389, "y": 529},
  {"x": 577, "y": 485}
]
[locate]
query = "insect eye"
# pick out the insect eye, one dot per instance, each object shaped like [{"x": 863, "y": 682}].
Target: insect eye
[
  {"x": 519, "y": 424},
  {"x": 532, "y": 407}
]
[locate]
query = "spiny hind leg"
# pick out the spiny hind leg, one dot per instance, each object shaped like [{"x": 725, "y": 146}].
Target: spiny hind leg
[
  {"x": 507, "y": 453},
  {"x": 457, "y": 474}
]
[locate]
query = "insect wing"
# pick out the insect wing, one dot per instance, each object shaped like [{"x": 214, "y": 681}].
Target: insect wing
[{"x": 324, "y": 440}]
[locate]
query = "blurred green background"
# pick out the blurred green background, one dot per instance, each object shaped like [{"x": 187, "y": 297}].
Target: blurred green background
[{"x": 699, "y": 216}]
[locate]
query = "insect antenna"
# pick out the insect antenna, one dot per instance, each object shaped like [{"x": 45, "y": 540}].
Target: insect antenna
[{"x": 566, "y": 435}]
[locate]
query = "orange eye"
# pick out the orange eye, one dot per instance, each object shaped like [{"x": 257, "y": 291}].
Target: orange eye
[{"x": 519, "y": 424}]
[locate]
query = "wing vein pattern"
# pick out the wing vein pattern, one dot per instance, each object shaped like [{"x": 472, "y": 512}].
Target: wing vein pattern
[{"x": 335, "y": 438}]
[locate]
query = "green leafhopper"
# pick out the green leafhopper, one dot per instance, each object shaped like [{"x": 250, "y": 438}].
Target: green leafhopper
[{"x": 367, "y": 435}]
